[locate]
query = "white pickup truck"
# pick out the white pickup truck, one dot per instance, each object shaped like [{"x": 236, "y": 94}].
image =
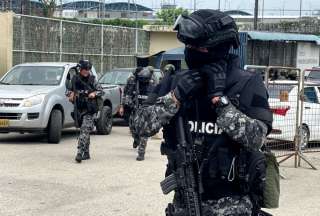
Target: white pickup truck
[{"x": 32, "y": 99}]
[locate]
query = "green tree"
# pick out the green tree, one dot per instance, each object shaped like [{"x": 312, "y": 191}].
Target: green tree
[
  {"x": 121, "y": 22},
  {"x": 48, "y": 7},
  {"x": 169, "y": 16}
]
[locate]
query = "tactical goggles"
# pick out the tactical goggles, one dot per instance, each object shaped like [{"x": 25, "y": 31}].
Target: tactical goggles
[{"x": 194, "y": 27}]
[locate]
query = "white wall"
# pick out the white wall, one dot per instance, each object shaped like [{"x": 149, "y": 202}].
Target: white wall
[{"x": 307, "y": 55}]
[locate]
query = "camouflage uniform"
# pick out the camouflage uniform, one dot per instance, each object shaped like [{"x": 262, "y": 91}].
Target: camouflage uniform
[
  {"x": 87, "y": 116},
  {"x": 84, "y": 137},
  {"x": 240, "y": 127},
  {"x": 139, "y": 140},
  {"x": 248, "y": 132},
  {"x": 228, "y": 206},
  {"x": 130, "y": 101},
  {"x": 251, "y": 133}
]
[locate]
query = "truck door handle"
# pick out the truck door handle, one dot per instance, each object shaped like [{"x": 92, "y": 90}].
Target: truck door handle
[{"x": 307, "y": 107}]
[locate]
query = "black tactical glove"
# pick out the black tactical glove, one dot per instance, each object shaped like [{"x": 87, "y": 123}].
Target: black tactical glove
[
  {"x": 215, "y": 73},
  {"x": 188, "y": 84}
]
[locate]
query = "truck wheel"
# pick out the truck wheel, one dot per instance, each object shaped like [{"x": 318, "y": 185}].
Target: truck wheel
[
  {"x": 104, "y": 123},
  {"x": 305, "y": 137},
  {"x": 55, "y": 126}
]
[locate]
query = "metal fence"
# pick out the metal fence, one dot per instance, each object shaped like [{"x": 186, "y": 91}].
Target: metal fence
[
  {"x": 310, "y": 129},
  {"x": 44, "y": 39},
  {"x": 296, "y": 112}
]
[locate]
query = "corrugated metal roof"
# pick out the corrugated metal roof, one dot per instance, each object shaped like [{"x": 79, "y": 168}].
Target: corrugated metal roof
[
  {"x": 276, "y": 36},
  {"x": 115, "y": 6}
]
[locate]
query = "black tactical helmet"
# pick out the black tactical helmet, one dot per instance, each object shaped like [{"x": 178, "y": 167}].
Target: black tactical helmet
[
  {"x": 207, "y": 28},
  {"x": 169, "y": 68},
  {"x": 85, "y": 64},
  {"x": 145, "y": 74}
]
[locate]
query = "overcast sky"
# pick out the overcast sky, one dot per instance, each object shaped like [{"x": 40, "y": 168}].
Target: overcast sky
[{"x": 275, "y": 5}]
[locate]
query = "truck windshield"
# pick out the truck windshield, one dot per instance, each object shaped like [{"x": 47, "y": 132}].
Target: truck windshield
[
  {"x": 314, "y": 75},
  {"x": 116, "y": 77},
  {"x": 34, "y": 75}
]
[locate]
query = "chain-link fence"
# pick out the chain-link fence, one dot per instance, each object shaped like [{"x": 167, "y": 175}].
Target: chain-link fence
[
  {"x": 42, "y": 39},
  {"x": 296, "y": 112},
  {"x": 310, "y": 129}
]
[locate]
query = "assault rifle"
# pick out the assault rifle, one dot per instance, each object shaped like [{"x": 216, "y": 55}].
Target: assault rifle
[
  {"x": 183, "y": 179},
  {"x": 81, "y": 96},
  {"x": 76, "y": 115}
]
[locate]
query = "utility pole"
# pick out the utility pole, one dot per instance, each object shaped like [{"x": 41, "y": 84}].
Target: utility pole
[
  {"x": 102, "y": 35},
  {"x": 61, "y": 9},
  {"x": 300, "y": 9},
  {"x": 136, "y": 29},
  {"x": 219, "y": 5},
  {"x": 194, "y": 5},
  {"x": 262, "y": 16},
  {"x": 256, "y": 12}
]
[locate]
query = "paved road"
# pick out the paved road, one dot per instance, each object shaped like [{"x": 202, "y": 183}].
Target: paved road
[{"x": 40, "y": 179}]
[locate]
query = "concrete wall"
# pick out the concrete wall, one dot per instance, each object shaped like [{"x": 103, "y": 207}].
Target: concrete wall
[
  {"x": 273, "y": 53},
  {"x": 307, "y": 55},
  {"x": 304, "y": 26},
  {"x": 6, "y": 20},
  {"x": 161, "y": 41}
]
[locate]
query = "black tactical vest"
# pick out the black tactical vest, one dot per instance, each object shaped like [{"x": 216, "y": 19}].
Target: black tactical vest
[
  {"x": 217, "y": 153},
  {"x": 83, "y": 87},
  {"x": 143, "y": 89}
]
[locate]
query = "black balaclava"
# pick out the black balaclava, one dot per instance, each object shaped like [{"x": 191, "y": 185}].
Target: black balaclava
[
  {"x": 85, "y": 79},
  {"x": 196, "y": 59}
]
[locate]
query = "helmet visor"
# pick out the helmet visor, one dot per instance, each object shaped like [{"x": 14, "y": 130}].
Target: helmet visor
[{"x": 188, "y": 27}]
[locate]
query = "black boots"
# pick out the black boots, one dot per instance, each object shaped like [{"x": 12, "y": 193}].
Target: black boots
[
  {"x": 135, "y": 144},
  {"x": 86, "y": 156},
  {"x": 140, "y": 156},
  {"x": 141, "y": 149},
  {"x": 78, "y": 158}
]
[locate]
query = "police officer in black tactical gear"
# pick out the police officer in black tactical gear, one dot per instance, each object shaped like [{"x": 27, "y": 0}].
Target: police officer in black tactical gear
[
  {"x": 136, "y": 91},
  {"x": 84, "y": 93},
  {"x": 229, "y": 168}
]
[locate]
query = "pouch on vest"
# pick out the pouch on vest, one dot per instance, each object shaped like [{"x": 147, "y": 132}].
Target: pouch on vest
[
  {"x": 219, "y": 170},
  {"x": 272, "y": 187},
  {"x": 256, "y": 176}
]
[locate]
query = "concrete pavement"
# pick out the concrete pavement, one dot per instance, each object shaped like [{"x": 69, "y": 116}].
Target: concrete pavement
[{"x": 40, "y": 179}]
